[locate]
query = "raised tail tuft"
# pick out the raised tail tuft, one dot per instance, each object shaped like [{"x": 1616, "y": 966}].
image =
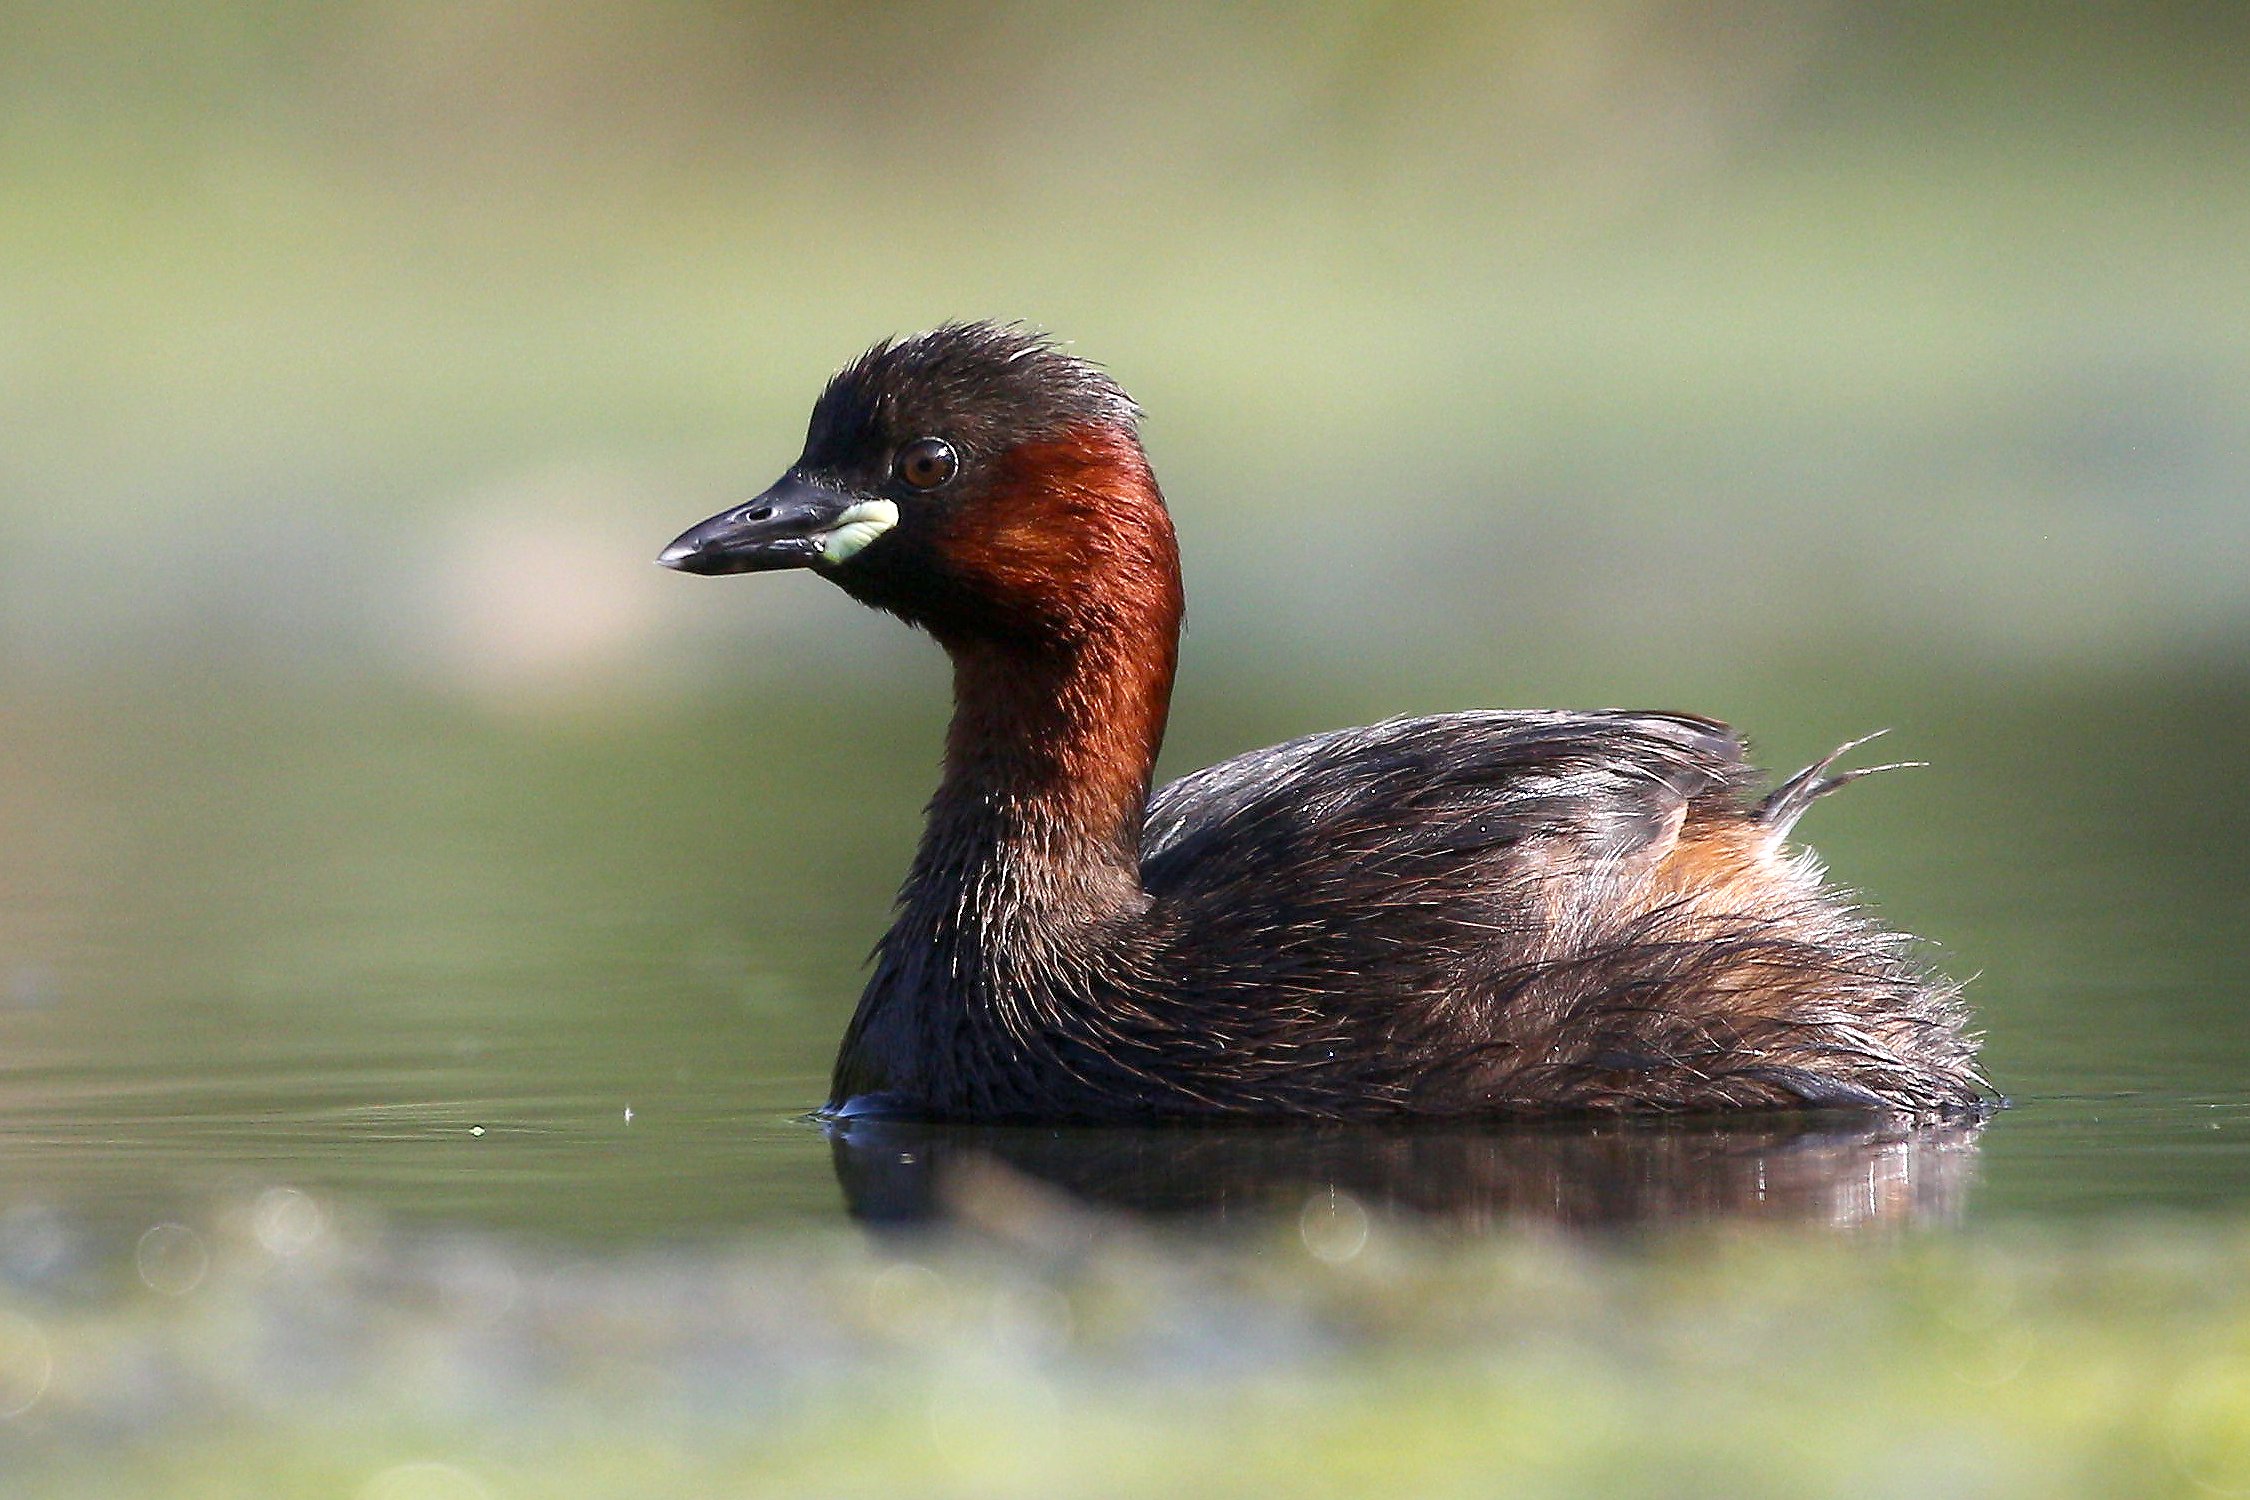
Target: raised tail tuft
[{"x": 1788, "y": 801}]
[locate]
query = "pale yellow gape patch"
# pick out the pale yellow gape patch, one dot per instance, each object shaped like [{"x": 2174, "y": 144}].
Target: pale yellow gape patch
[{"x": 855, "y": 528}]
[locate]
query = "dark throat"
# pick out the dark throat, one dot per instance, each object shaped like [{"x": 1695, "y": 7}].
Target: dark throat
[
  {"x": 1047, "y": 767},
  {"x": 1060, "y": 696},
  {"x": 1024, "y": 907}
]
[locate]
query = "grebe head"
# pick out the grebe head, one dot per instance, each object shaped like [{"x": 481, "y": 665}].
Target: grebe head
[{"x": 975, "y": 480}]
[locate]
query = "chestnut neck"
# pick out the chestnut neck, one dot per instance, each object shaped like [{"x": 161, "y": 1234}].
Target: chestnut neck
[
  {"x": 1027, "y": 886},
  {"x": 1057, "y": 720}
]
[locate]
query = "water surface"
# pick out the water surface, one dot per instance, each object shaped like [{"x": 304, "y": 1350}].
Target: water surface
[
  {"x": 406, "y": 1096},
  {"x": 584, "y": 977}
]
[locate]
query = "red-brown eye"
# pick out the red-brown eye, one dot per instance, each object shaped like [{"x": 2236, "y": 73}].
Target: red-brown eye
[{"x": 926, "y": 463}]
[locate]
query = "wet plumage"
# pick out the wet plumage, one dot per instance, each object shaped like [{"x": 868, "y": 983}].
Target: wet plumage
[{"x": 1474, "y": 913}]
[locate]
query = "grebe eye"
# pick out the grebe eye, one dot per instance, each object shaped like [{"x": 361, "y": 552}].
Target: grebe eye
[{"x": 926, "y": 463}]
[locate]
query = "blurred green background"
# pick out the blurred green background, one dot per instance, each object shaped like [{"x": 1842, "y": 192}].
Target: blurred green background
[
  {"x": 1824, "y": 367},
  {"x": 376, "y": 822},
  {"x": 1585, "y": 350}
]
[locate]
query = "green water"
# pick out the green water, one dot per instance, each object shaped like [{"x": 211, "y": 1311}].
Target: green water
[
  {"x": 583, "y": 979},
  {"x": 405, "y": 1098}
]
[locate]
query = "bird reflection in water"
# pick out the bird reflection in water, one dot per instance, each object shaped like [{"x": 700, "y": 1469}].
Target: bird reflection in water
[{"x": 1813, "y": 1171}]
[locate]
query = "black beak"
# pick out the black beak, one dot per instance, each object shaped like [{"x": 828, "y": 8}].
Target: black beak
[{"x": 786, "y": 527}]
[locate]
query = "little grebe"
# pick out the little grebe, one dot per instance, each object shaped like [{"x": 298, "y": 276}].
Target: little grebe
[{"x": 1475, "y": 913}]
